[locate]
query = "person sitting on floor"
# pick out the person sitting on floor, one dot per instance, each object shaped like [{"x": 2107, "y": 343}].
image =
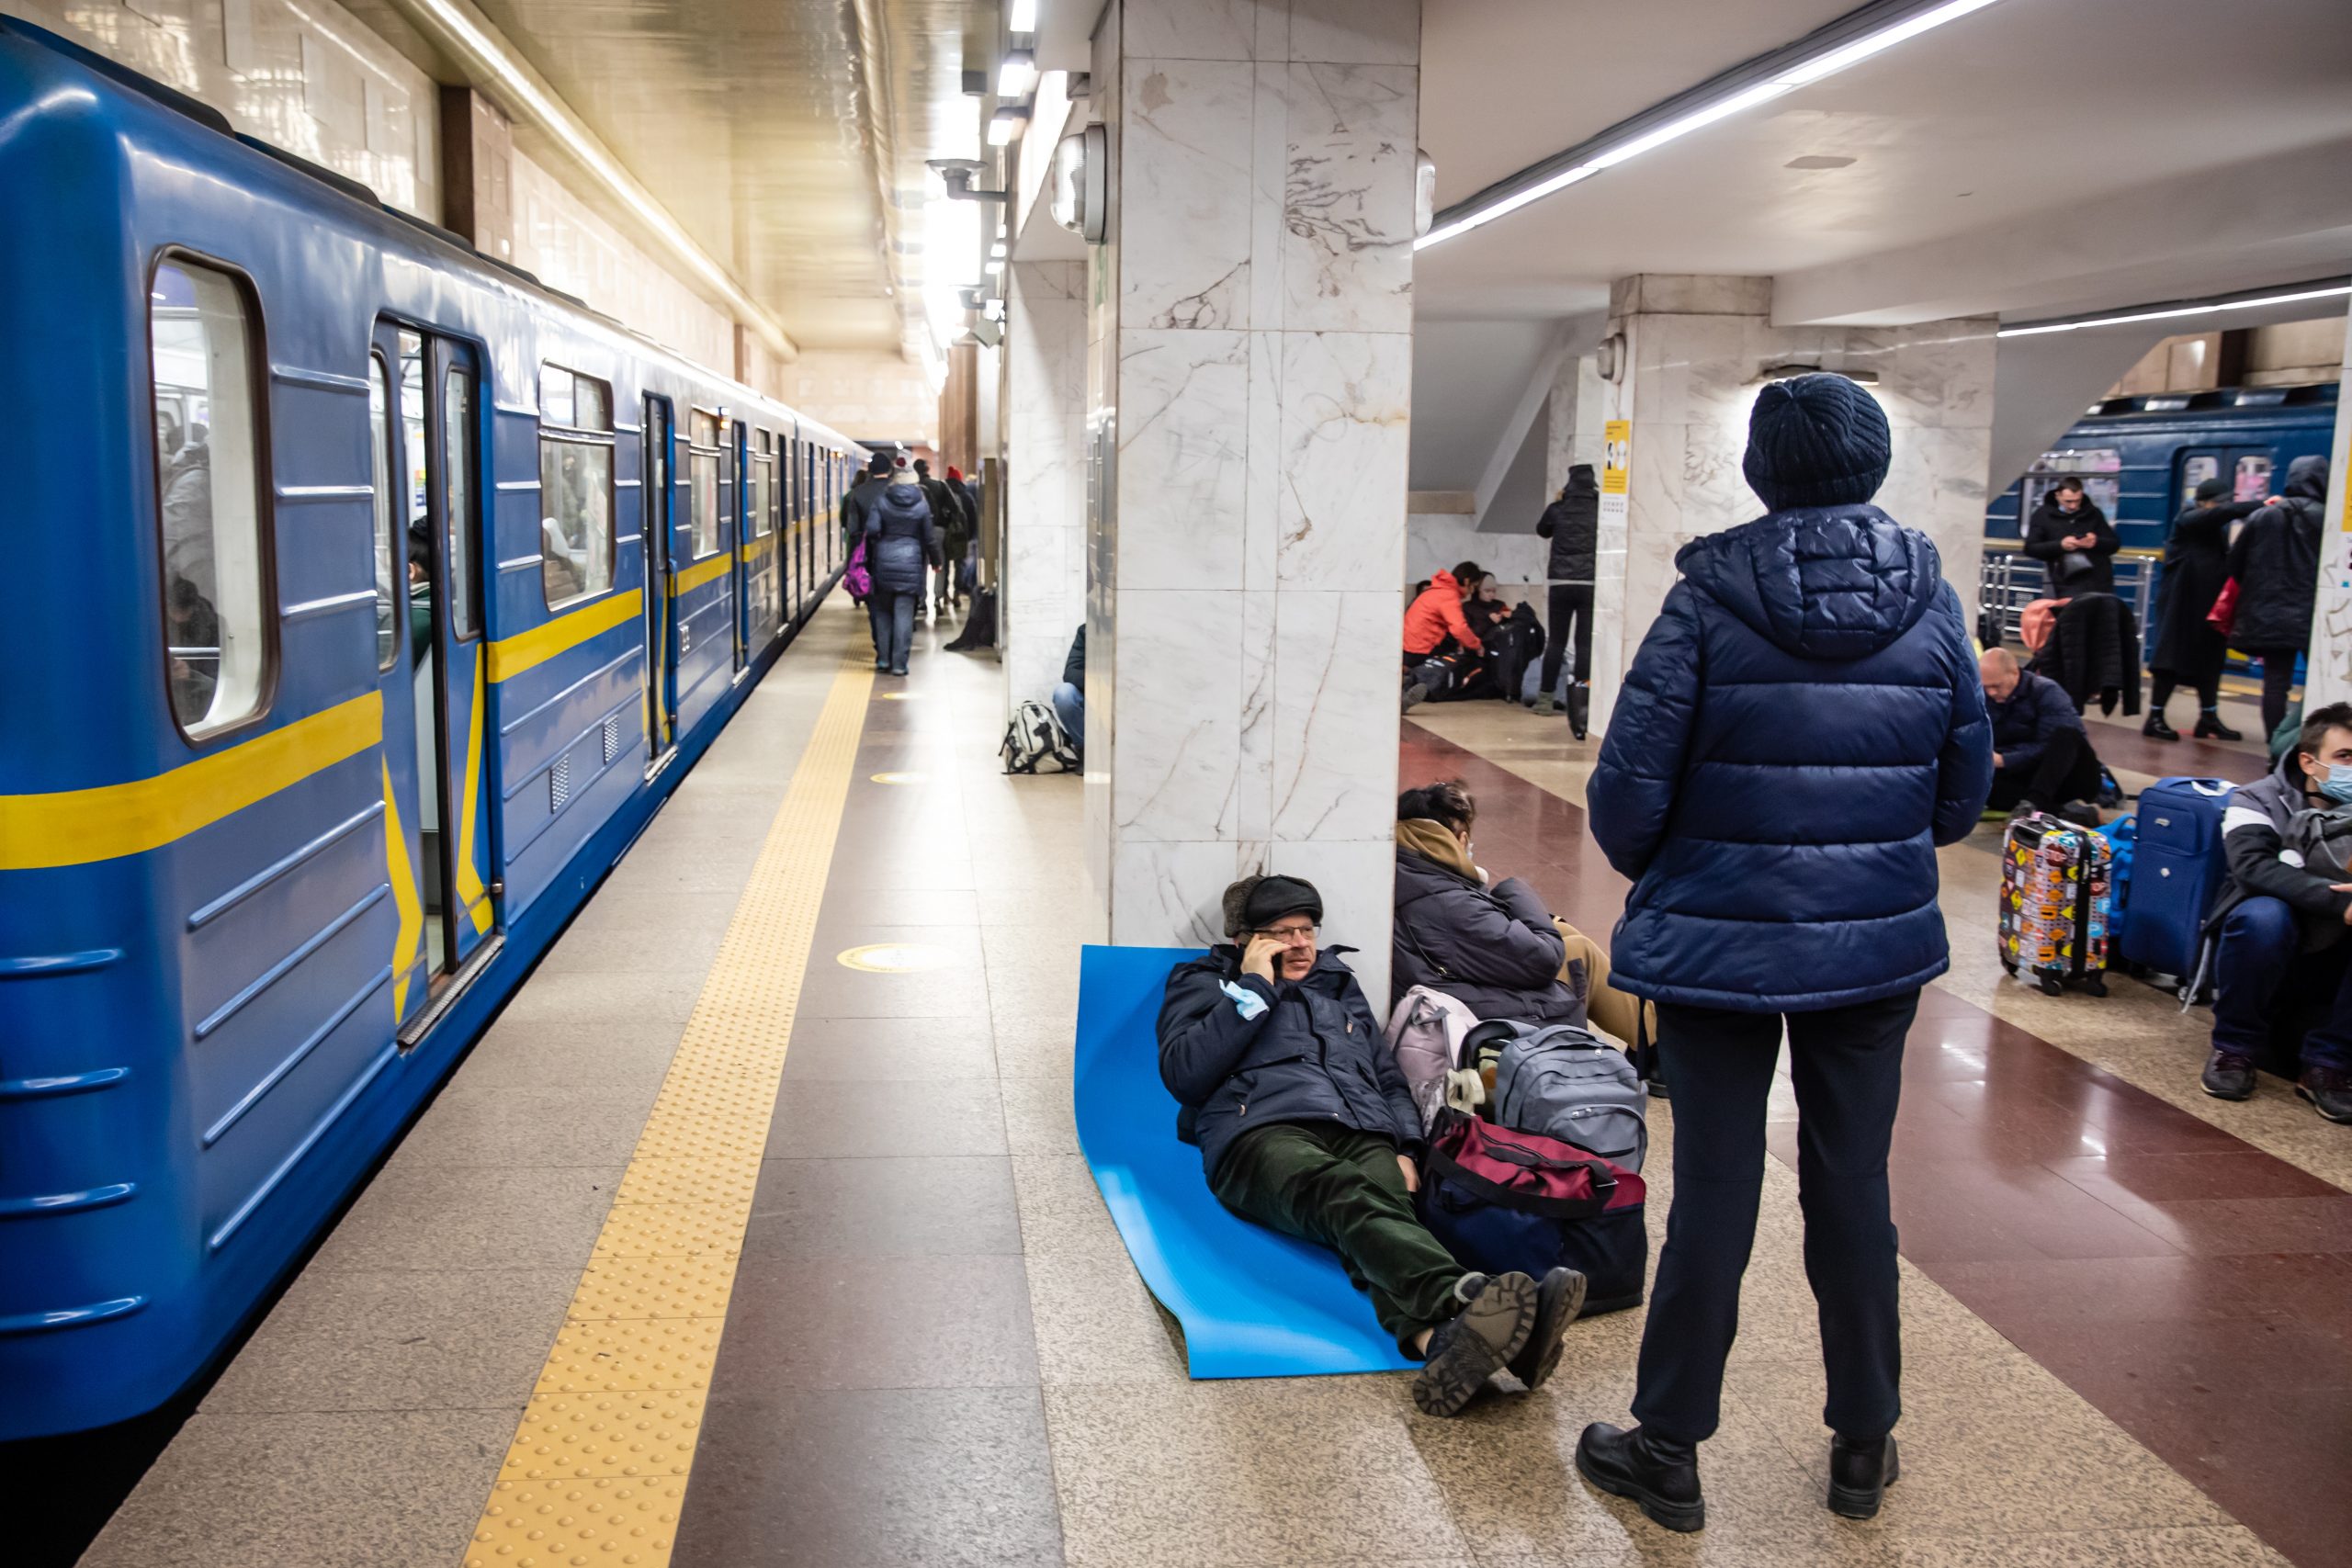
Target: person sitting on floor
[
  {"x": 1305, "y": 1125},
  {"x": 1070, "y": 697},
  {"x": 2282, "y": 950},
  {"x": 2042, "y": 755},
  {"x": 1496, "y": 950}
]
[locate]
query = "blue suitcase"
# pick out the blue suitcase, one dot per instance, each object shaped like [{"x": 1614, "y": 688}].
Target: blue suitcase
[{"x": 2177, "y": 869}]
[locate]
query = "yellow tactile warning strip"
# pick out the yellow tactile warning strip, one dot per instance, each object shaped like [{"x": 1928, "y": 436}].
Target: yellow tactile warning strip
[{"x": 598, "y": 1467}]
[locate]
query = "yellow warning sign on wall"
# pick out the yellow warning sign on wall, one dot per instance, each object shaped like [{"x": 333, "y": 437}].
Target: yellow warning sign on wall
[{"x": 1616, "y": 455}]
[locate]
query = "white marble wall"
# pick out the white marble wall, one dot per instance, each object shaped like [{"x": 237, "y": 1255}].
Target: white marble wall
[
  {"x": 1254, "y": 345},
  {"x": 1042, "y": 579},
  {"x": 2329, "y": 673},
  {"x": 1695, "y": 349}
]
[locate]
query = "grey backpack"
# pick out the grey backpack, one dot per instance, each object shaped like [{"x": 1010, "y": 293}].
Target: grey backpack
[{"x": 1568, "y": 1083}]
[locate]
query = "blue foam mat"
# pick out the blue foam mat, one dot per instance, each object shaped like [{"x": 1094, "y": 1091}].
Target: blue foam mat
[{"x": 1253, "y": 1304}]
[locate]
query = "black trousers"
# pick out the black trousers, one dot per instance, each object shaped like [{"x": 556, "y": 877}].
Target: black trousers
[
  {"x": 1847, "y": 1064},
  {"x": 2278, "y": 683},
  {"x": 2066, "y": 769},
  {"x": 1570, "y": 601}
]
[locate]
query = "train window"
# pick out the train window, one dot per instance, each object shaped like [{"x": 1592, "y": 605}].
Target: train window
[
  {"x": 2099, "y": 467},
  {"x": 727, "y": 472},
  {"x": 575, "y": 485},
  {"x": 702, "y": 472},
  {"x": 2253, "y": 479},
  {"x": 2195, "y": 471},
  {"x": 391, "y": 563},
  {"x": 762, "y": 483},
  {"x": 458, "y": 500},
  {"x": 208, "y": 485}
]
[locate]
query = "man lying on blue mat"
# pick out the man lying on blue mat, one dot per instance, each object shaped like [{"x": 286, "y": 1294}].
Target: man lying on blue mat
[{"x": 1305, "y": 1126}]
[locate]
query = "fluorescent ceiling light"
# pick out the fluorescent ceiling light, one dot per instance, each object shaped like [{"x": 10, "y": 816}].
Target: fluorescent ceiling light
[
  {"x": 2294, "y": 294},
  {"x": 1855, "y": 37},
  {"x": 1017, "y": 75},
  {"x": 559, "y": 121},
  {"x": 1004, "y": 125},
  {"x": 1021, "y": 16}
]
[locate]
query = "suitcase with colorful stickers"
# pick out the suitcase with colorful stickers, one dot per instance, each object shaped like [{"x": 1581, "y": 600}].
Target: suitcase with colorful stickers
[{"x": 2055, "y": 900}]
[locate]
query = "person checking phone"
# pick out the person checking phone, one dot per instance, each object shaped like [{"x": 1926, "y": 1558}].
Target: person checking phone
[{"x": 1305, "y": 1126}]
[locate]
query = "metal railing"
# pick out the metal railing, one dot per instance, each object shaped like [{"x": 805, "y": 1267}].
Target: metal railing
[{"x": 2010, "y": 580}]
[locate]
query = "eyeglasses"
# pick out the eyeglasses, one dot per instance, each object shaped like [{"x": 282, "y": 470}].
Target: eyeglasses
[{"x": 1290, "y": 935}]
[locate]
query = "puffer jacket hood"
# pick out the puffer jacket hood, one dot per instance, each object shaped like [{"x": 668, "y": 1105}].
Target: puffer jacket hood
[
  {"x": 1820, "y": 582},
  {"x": 1802, "y": 727},
  {"x": 2307, "y": 477}
]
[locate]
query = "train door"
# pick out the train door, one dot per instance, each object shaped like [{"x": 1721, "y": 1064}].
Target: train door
[
  {"x": 2247, "y": 469},
  {"x": 661, "y": 641},
  {"x": 730, "y": 509},
  {"x": 424, "y": 394}
]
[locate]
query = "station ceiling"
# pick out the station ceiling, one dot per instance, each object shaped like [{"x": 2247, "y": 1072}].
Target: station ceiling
[{"x": 2036, "y": 146}]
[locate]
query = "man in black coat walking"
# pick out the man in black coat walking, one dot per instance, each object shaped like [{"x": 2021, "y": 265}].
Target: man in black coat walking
[
  {"x": 2072, "y": 536},
  {"x": 1573, "y": 525}
]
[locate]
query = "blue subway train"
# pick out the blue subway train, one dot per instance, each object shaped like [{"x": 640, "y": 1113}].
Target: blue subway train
[
  {"x": 384, "y": 595},
  {"x": 2143, "y": 457}
]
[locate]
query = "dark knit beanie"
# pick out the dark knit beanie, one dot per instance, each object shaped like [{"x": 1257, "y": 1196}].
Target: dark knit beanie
[
  {"x": 1257, "y": 902},
  {"x": 2213, "y": 490},
  {"x": 1815, "y": 441}
]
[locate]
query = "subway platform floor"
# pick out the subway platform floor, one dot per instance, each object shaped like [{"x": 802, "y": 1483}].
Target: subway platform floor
[{"x": 755, "y": 1232}]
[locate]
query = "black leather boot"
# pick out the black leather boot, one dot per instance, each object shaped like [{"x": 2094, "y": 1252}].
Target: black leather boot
[
  {"x": 1579, "y": 707},
  {"x": 2210, "y": 728},
  {"x": 1660, "y": 1475},
  {"x": 1860, "y": 1474},
  {"x": 2157, "y": 729}
]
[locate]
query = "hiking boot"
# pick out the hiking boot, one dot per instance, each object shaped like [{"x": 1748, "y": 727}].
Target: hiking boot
[
  {"x": 1547, "y": 705},
  {"x": 1497, "y": 1313},
  {"x": 1559, "y": 1299},
  {"x": 2228, "y": 1077},
  {"x": 2210, "y": 728},
  {"x": 1415, "y": 695},
  {"x": 2157, "y": 729},
  {"x": 2329, "y": 1090},
  {"x": 1859, "y": 1473},
  {"x": 1659, "y": 1475}
]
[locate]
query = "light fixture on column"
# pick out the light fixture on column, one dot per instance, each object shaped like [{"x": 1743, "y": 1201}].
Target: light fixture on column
[
  {"x": 1021, "y": 16},
  {"x": 1078, "y": 189},
  {"x": 1005, "y": 124},
  {"x": 1784, "y": 372},
  {"x": 1017, "y": 75},
  {"x": 1851, "y": 39}
]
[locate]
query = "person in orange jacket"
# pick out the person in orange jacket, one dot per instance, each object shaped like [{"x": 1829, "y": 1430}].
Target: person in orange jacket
[{"x": 1437, "y": 614}]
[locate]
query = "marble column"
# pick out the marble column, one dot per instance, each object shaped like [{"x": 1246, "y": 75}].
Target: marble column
[
  {"x": 1694, "y": 352},
  {"x": 1041, "y": 595},
  {"x": 1251, "y": 324},
  {"x": 2328, "y": 674}
]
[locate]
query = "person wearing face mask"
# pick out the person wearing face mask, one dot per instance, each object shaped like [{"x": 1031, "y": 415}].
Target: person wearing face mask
[
  {"x": 1305, "y": 1126},
  {"x": 2281, "y": 925}
]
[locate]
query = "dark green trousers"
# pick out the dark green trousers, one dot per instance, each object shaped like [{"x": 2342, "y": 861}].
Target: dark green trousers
[{"x": 1342, "y": 1188}]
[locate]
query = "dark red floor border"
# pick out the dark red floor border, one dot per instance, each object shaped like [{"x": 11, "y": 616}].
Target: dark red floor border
[{"x": 2195, "y": 1288}]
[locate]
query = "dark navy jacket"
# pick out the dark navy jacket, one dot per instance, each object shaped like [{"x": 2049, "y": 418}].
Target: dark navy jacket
[
  {"x": 1801, "y": 730},
  {"x": 2038, "y": 709},
  {"x": 1315, "y": 1054},
  {"x": 899, "y": 539}
]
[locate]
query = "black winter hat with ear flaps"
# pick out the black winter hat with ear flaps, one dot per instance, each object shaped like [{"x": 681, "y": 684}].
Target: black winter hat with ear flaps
[{"x": 1254, "y": 901}]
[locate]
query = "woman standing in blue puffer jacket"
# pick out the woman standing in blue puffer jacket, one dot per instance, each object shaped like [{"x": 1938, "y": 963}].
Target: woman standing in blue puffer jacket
[{"x": 1801, "y": 729}]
